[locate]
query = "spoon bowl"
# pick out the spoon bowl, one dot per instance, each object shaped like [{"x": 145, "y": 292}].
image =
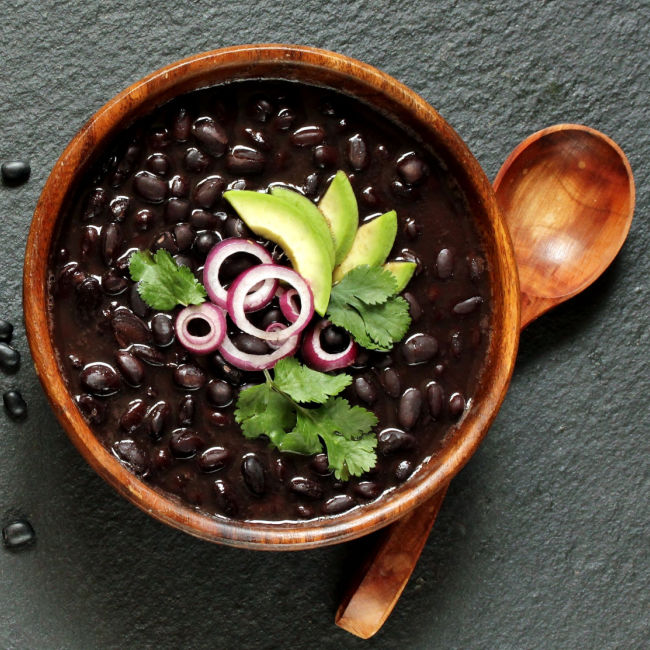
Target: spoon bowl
[{"x": 567, "y": 195}]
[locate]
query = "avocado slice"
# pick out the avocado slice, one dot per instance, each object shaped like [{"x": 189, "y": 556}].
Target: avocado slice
[
  {"x": 403, "y": 272},
  {"x": 339, "y": 206},
  {"x": 311, "y": 214},
  {"x": 371, "y": 244},
  {"x": 282, "y": 223}
]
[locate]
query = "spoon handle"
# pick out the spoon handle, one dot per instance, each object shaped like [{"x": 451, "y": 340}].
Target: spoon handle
[{"x": 370, "y": 599}]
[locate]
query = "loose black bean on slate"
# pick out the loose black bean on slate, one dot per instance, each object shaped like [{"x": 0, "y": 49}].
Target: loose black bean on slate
[
  {"x": 253, "y": 472},
  {"x": 15, "y": 404},
  {"x": 15, "y": 172},
  {"x": 6, "y": 331},
  {"x": 18, "y": 534},
  {"x": 9, "y": 358}
]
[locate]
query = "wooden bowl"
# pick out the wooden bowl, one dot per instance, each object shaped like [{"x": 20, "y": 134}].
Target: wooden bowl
[{"x": 403, "y": 105}]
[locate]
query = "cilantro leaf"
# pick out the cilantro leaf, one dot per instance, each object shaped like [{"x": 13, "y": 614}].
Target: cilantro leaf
[
  {"x": 262, "y": 411},
  {"x": 306, "y": 385},
  {"x": 349, "y": 421},
  {"x": 163, "y": 284},
  {"x": 350, "y": 457},
  {"x": 304, "y": 438},
  {"x": 363, "y": 304}
]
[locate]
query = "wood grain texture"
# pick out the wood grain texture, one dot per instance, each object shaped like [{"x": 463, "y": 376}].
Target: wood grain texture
[{"x": 403, "y": 105}]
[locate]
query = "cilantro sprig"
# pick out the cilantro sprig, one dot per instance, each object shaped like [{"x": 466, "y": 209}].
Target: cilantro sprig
[
  {"x": 364, "y": 304},
  {"x": 277, "y": 408},
  {"x": 163, "y": 284}
]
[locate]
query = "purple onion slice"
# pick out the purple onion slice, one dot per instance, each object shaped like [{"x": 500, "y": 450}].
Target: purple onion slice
[
  {"x": 248, "y": 279},
  {"x": 259, "y": 296},
  {"x": 206, "y": 317},
  {"x": 255, "y": 362},
  {"x": 318, "y": 358},
  {"x": 289, "y": 305}
]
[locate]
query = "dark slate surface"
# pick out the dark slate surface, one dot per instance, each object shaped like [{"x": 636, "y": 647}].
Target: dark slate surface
[{"x": 543, "y": 539}]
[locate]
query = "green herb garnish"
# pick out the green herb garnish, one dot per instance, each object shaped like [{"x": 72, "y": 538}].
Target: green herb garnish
[
  {"x": 163, "y": 284},
  {"x": 274, "y": 409},
  {"x": 363, "y": 304}
]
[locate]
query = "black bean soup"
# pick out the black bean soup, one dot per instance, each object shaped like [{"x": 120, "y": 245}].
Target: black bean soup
[{"x": 168, "y": 415}]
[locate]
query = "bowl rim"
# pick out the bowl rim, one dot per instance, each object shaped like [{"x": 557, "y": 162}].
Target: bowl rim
[{"x": 293, "y": 535}]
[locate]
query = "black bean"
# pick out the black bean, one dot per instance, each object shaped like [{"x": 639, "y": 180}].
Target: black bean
[
  {"x": 307, "y": 136},
  {"x": 184, "y": 235},
  {"x": 165, "y": 241},
  {"x": 204, "y": 242},
  {"x": 139, "y": 306},
  {"x": 252, "y": 470},
  {"x": 272, "y": 316},
  {"x": 226, "y": 371},
  {"x": 320, "y": 464},
  {"x": 325, "y": 156},
  {"x": 305, "y": 487},
  {"x": 189, "y": 376},
  {"x": 18, "y": 534},
  {"x": 304, "y": 511},
  {"x": 182, "y": 125},
  {"x": 15, "y": 172},
  {"x": 334, "y": 339},
  {"x": 119, "y": 208},
  {"x": 363, "y": 357},
  {"x": 410, "y": 406},
  {"x": 144, "y": 219},
  {"x": 369, "y": 196},
  {"x": 403, "y": 470},
  {"x": 9, "y": 358},
  {"x": 186, "y": 410},
  {"x": 245, "y": 160},
  {"x": 161, "y": 459},
  {"x": 250, "y": 344},
  {"x": 212, "y": 459},
  {"x": 467, "y": 306},
  {"x": 419, "y": 348},
  {"x": 88, "y": 294},
  {"x": 184, "y": 442},
  {"x": 15, "y": 404},
  {"x": 411, "y": 168},
  {"x": 435, "y": 398},
  {"x": 158, "y": 137},
  {"x": 113, "y": 283},
  {"x": 128, "y": 328},
  {"x": 211, "y": 135},
  {"x": 147, "y": 354},
  {"x": 150, "y": 187},
  {"x": 337, "y": 504},
  {"x": 111, "y": 239},
  {"x": 89, "y": 240},
  {"x": 131, "y": 367},
  {"x": 445, "y": 264},
  {"x": 225, "y": 498},
  {"x": 407, "y": 255},
  {"x": 158, "y": 163},
  {"x": 132, "y": 455},
  {"x": 96, "y": 204},
  {"x": 367, "y": 489},
  {"x": 412, "y": 228},
  {"x": 75, "y": 361},
  {"x": 6, "y": 330},
  {"x": 179, "y": 187},
  {"x": 391, "y": 440},
  {"x": 162, "y": 330},
  {"x": 259, "y": 139},
  {"x": 390, "y": 382},
  {"x": 235, "y": 227},
  {"x": 92, "y": 409},
  {"x": 401, "y": 189},
  {"x": 100, "y": 379},
  {"x": 208, "y": 192},
  {"x": 414, "y": 306},
  {"x": 284, "y": 119},
  {"x": 219, "y": 392},
  {"x": 204, "y": 220},
  {"x": 365, "y": 389},
  {"x": 456, "y": 404},
  {"x": 218, "y": 419},
  {"x": 177, "y": 210},
  {"x": 133, "y": 416},
  {"x": 157, "y": 419},
  {"x": 195, "y": 160},
  {"x": 310, "y": 186},
  {"x": 357, "y": 151},
  {"x": 456, "y": 343}
]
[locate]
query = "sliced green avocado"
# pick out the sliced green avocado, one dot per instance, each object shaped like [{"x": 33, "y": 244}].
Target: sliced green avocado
[
  {"x": 403, "y": 272},
  {"x": 285, "y": 225},
  {"x": 339, "y": 206},
  {"x": 371, "y": 244},
  {"x": 310, "y": 213}
]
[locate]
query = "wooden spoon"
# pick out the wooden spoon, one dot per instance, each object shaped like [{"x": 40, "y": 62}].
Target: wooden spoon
[{"x": 567, "y": 194}]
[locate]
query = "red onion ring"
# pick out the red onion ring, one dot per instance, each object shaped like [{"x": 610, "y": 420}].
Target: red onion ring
[
  {"x": 318, "y": 359},
  {"x": 259, "y": 296},
  {"x": 275, "y": 327},
  {"x": 201, "y": 344},
  {"x": 242, "y": 285},
  {"x": 288, "y": 305},
  {"x": 254, "y": 362}
]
